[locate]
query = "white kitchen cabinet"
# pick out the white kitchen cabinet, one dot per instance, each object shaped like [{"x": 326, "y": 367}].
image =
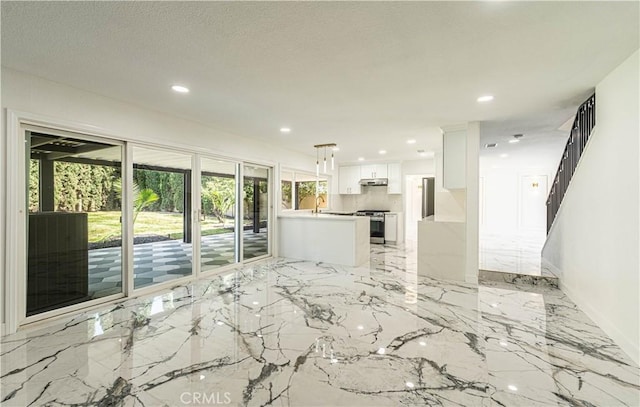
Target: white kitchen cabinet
[
  {"x": 454, "y": 161},
  {"x": 373, "y": 171},
  {"x": 394, "y": 172},
  {"x": 393, "y": 227},
  {"x": 390, "y": 227},
  {"x": 349, "y": 180}
]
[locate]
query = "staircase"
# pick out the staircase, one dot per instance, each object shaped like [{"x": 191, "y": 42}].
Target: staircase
[{"x": 584, "y": 122}]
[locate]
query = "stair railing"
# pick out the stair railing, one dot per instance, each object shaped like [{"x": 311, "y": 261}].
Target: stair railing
[{"x": 584, "y": 122}]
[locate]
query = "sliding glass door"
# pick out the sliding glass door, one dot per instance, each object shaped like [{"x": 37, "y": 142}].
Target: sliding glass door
[
  {"x": 76, "y": 240},
  {"x": 218, "y": 211},
  {"x": 162, "y": 216},
  {"x": 257, "y": 203},
  {"x": 74, "y": 229}
]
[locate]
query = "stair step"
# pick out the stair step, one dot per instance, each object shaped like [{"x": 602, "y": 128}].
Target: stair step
[{"x": 518, "y": 279}]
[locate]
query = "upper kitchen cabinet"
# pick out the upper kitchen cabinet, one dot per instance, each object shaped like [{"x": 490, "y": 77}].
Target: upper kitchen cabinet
[
  {"x": 349, "y": 180},
  {"x": 374, "y": 171},
  {"x": 394, "y": 175},
  {"x": 454, "y": 161}
]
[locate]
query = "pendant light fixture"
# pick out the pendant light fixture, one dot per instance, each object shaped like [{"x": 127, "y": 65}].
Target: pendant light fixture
[{"x": 324, "y": 147}]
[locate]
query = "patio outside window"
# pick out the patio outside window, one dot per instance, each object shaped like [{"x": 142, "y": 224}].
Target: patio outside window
[{"x": 74, "y": 247}]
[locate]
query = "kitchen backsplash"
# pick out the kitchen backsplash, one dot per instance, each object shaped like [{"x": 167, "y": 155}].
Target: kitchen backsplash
[{"x": 370, "y": 198}]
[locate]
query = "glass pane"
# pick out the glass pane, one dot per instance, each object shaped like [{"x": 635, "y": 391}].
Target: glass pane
[
  {"x": 306, "y": 197},
  {"x": 217, "y": 221},
  {"x": 74, "y": 249},
  {"x": 162, "y": 246},
  {"x": 286, "y": 189},
  {"x": 256, "y": 211}
]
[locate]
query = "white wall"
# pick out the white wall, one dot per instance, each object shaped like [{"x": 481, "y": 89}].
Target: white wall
[
  {"x": 109, "y": 117},
  {"x": 422, "y": 166},
  {"x": 501, "y": 178},
  {"x": 595, "y": 238},
  {"x": 372, "y": 198},
  {"x": 30, "y": 94},
  {"x": 502, "y": 197},
  {"x": 450, "y": 204}
]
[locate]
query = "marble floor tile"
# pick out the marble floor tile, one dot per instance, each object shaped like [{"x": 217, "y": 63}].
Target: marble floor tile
[
  {"x": 519, "y": 254},
  {"x": 284, "y": 332}
]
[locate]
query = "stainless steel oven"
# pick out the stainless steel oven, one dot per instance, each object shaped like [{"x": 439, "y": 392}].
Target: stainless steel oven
[{"x": 376, "y": 221}]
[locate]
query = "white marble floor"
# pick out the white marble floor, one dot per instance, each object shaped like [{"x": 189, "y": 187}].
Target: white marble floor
[
  {"x": 292, "y": 333},
  {"x": 513, "y": 254}
]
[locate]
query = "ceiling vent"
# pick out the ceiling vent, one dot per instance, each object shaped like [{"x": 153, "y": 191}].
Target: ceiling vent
[{"x": 490, "y": 145}]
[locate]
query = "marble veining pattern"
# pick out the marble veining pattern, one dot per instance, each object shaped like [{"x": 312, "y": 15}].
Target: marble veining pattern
[
  {"x": 292, "y": 333},
  {"x": 513, "y": 254}
]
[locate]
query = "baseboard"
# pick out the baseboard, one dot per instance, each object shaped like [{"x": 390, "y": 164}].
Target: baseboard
[
  {"x": 628, "y": 346},
  {"x": 546, "y": 264}
]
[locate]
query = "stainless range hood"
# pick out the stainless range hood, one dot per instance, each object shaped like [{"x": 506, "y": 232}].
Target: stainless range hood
[{"x": 374, "y": 181}]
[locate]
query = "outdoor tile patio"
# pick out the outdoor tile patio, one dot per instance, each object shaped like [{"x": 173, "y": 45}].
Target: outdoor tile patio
[{"x": 158, "y": 262}]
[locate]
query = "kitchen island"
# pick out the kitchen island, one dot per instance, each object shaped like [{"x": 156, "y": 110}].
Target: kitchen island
[{"x": 336, "y": 239}]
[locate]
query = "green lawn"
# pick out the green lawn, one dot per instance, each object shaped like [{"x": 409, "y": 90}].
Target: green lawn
[{"x": 106, "y": 225}]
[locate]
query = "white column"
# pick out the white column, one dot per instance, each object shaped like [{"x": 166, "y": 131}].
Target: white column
[{"x": 472, "y": 198}]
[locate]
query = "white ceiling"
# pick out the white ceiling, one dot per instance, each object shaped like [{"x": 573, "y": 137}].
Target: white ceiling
[{"x": 365, "y": 75}]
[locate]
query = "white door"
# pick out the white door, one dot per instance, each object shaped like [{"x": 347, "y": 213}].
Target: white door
[{"x": 533, "y": 197}]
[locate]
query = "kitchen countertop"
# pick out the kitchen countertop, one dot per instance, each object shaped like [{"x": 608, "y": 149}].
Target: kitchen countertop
[{"x": 320, "y": 216}]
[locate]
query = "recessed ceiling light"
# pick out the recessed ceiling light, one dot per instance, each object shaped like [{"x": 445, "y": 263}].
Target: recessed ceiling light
[
  {"x": 411, "y": 141},
  {"x": 180, "y": 89},
  {"x": 504, "y": 155},
  {"x": 485, "y": 98},
  {"x": 514, "y": 140},
  {"x": 382, "y": 152},
  {"x": 360, "y": 158},
  {"x": 285, "y": 130}
]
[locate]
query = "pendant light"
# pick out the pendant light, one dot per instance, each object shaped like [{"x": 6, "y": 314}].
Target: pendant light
[{"x": 324, "y": 162}]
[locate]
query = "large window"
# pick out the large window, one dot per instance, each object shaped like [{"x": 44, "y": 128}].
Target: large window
[
  {"x": 74, "y": 230},
  {"x": 76, "y": 240},
  {"x": 300, "y": 190},
  {"x": 255, "y": 192},
  {"x": 308, "y": 193},
  {"x": 218, "y": 243},
  {"x": 162, "y": 224}
]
